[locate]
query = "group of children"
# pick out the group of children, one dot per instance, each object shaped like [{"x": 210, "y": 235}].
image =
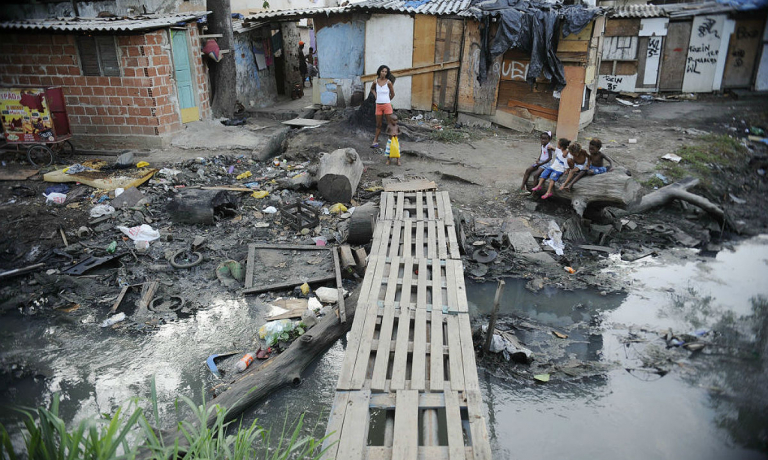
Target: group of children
[{"x": 569, "y": 157}]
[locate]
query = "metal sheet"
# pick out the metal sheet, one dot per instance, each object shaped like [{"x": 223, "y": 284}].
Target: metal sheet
[{"x": 144, "y": 22}]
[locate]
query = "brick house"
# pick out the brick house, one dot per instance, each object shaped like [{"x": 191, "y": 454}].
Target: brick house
[{"x": 128, "y": 81}]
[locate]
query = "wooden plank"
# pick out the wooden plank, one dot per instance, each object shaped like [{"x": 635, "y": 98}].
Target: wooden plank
[
  {"x": 461, "y": 289},
  {"x": 419, "y": 206},
  {"x": 410, "y": 186},
  {"x": 573, "y": 46},
  {"x": 570, "y": 102},
  {"x": 339, "y": 287},
  {"x": 384, "y": 197},
  {"x": 418, "y": 369},
  {"x": 453, "y": 426},
  {"x": 390, "y": 211},
  {"x": 436, "y": 374},
  {"x": 455, "y": 359},
  {"x": 119, "y": 299},
  {"x": 354, "y": 432},
  {"x": 335, "y": 423},
  {"x": 423, "y": 54},
  {"x": 408, "y": 240},
  {"x": 453, "y": 244},
  {"x": 622, "y": 27},
  {"x": 415, "y": 70},
  {"x": 385, "y": 233},
  {"x": 421, "y": 286},
  {"x": 394, "y": 270},
  {"x": 378, "y": 380},
  {"x": 468, "y": 354},
  {"x": 364, "y": 351},
  {"x": 400, "y": 201},
  {"x": 406, "y": 439},
  {"x": 448, "y": 215},
  {"x": 442, "y": 244},
  {"x": 147, "y": 294},
  {"x": 437, "y": 286},
  {"x": 425, "y": 453},
  {"x": 450, "y": 284},
  {"x": 674, "y": 55},
  {"x": 481, "y": 446},
  {"x": 401, "y": 351},
  {"x": 377, "y": 236},
  {"x": 24, "y": 174},
  {"x": 419, "y": 239},
  {"x": 290, "y": 285},
  {"x": 297, "y": 247},
  {"x": 431, "y": 239},
  {"x": 440, "y": 206},
  {"x": 394, "y": 246},
  {"x": 405, "y": 292},
  {"x": 430, "y": 206},
  {"x": 305, "y": 122}
]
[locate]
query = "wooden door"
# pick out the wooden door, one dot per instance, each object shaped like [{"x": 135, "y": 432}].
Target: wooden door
[
  {"x": 743, "y": 50},
  {"x": 448, "y": 38},
  {"x": 183, "y": 73},
  {"x": 674, "y": 56}
]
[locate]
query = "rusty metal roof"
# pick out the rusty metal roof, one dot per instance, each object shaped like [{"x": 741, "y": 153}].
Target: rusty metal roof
[
  {"x": 296, "y": 13},
  {"x": 638, "y": 11},
  {"x": 434, "y": 7},
  {"x": 114, "y": 24}
]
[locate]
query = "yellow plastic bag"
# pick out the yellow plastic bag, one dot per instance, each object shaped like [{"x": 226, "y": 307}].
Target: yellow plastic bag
[
  {"x": 244, "y": 175},
  {"x": 304, "y": 289},
  {"x": 394, "y": 148},
  {"x": 337, "y": 208},
  {"x": 142, "y": 164},
  {"x": 260, "y": 194}
]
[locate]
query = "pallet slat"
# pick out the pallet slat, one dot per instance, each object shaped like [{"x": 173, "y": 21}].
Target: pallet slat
[
  {"x": 436, "y": 373},
  {"x": 354, "y": 432},
  {"x": 401, "y": 351},
  {"x": 418, "y": 368},
  {"x": 453, "y": 426},
  {"x": 378, "y": 380},
  {"x": 406, "y": 439}
]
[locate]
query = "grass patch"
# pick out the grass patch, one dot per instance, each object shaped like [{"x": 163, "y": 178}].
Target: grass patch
[
  {"x": 128, "y": 434},
  {"x": 704, "y": 160}
]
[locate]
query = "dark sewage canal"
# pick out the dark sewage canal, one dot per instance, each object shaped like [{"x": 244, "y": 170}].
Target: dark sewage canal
[{"x": 621, "y": 386}]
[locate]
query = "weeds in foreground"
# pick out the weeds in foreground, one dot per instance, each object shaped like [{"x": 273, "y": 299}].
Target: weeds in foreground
[
  {"x": 129, "y": 437},
  {"x": 704, "y": 159}
]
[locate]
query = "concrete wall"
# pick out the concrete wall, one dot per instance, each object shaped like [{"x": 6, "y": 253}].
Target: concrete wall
[
  {"x": 704, "y": 53},
  {"x": 341, "y": 49},
  {"x": 22, "y": 10},
  {"x": 761, "y": 80},
  {"x": 256, "y": 85},
  {"x": 389, "y": 41}
]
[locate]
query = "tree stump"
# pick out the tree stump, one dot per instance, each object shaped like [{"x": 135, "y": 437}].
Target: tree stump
[
  {"x": 338, "y": 174},
  {"x": 193, "y": 206}
]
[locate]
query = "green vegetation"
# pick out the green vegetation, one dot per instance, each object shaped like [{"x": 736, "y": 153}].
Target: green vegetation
[
  {"x": 704, "y": 159},
  {"x": 129, "y": 437}
]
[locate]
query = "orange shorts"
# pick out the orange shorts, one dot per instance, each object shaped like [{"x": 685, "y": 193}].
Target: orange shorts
[{"x": 384, "y": 109}]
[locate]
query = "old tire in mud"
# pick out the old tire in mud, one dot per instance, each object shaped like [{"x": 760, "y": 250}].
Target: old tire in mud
[{"x": 362, "y": 224}]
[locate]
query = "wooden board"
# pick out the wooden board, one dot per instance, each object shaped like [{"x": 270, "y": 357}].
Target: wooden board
[
  {"x": 17, "y": 174},
  {"x": 406, "y": 439},
  {"x": 295, "y": 308},
  {"x": 674, "y": 56},
  {"x": 423, "y": 53},
  {"x": 622, "y": 27},
  {"x": 448, "y": 42},
  {"x": 431, "y": 239},
  {"x": 570, "y": 103},
  {"x": 409, "y": 186},
  {"x": 743, "y": 51},
  {"x": 475, "y": 97},
  {"x": 305, "y": 122},
  {"x": 416, "y": 206}
]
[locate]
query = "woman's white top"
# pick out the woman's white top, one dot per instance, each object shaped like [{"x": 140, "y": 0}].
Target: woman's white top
[{"x": 382, "y": 93}]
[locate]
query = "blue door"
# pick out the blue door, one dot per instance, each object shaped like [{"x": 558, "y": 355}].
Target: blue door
[{"x": 183, "y": 72}]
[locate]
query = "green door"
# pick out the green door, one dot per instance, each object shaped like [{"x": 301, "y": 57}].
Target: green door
[{"x": 183, "y": 72}]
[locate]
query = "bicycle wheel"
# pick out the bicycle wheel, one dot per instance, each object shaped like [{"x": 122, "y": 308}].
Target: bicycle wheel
[
  {"x": 40, "y": 155},
  {"x": 65, "y": 148}
]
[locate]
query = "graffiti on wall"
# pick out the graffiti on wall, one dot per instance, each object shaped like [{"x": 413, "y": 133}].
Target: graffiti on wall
[
  {"x": 617, "y": 83},
  {"x": 514, "y": 70},
  {"x": 703, "y": 53}
]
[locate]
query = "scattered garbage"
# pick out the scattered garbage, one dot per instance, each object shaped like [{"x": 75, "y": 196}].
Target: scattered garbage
[
  {"x": 672, "y": 157},
  {"x": 142, "y": 232},
  {"x": 269, "y": 210},
  {"x": 327, "y": 295},
  {"x": 142, "y": 164},
  {"x": 259, "y": 194},
  {"x": 244, "y": 175},
  {"x": 662, "y": 178},
  {"x": 555, "y": 240},
  {"x": 244, "y": 362},
  {"x": 337, "y": 208},
  {"x": 76, "y": 168},
  {"x": 275, "y": 331},
  {"x": 101, "y": 210},
  {"x": 55, "y": 198},
  {"x": 112, "y": 247},
  {"x": 112, "y": 320},
  {"x": 543, "y": 378},
  {"x": 304, "y": 289},
  {"x": 314, "y": 305}
]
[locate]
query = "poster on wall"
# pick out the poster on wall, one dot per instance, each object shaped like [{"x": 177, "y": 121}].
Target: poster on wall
[{"x": 25, "y": 115}]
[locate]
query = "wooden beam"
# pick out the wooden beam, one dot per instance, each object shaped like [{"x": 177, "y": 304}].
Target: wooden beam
[{"x": 416, "y": 70}]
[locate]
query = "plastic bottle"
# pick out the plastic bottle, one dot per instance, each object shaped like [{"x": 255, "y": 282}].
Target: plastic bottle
[
  {"x": 244, "y": 362},
  {"x": 112, "y": 247}
]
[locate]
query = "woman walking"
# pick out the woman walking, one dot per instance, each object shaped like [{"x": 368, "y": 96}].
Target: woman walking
[{"x": 384, "y": 91}]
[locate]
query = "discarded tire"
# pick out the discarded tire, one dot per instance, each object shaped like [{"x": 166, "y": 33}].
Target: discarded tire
[{"x": 363, "y": 223}]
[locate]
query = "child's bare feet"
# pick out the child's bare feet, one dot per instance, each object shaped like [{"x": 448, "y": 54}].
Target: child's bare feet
[
  {"x": 561, "y": 187},
  {"x": 387, "y": 162},
  {"x": 398, "y": 163}
]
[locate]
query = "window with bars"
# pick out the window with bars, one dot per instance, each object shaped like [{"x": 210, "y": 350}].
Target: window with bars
[{"x": 98, "y": 56}]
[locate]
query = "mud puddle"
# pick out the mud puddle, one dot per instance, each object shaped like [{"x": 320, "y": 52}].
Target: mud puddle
[{"x": 620, "y": 384}]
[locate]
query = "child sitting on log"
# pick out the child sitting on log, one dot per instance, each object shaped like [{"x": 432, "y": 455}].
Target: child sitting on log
[
  {"x": 597, "y": 161},
  {"x": 578, "y": 162},
  {"x": 547, "y": 149},
  {"x": 555, "y": 169}
]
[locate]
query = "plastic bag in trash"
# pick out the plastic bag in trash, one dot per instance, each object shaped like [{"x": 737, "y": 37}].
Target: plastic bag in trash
[
  {"x": 497, "y": 344},
  {"x": 141, "y": 233},
  {"x": 269, "y": 210},
  {"x": 57, "y": 198},
  {"x": 101, "y": 210},
  {"x": 555, "y": 240},
  {"x": 274, "y": 331}
]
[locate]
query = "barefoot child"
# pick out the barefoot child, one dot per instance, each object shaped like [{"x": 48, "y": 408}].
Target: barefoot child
[
  {"x": 578, "y": 162},
  {"x": 555, "y": 169},
  {"x": 596, "y": 160},
  {"x": 393, "y": 145},
  {"x": 544, "y": 157}
]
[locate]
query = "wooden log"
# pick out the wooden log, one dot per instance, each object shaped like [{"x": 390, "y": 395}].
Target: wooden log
[
  {"x": 195, "y": 206},
  {"x": 615, "y": 188},
  {"x": 347, "y": 259},
  {"x": 361, "y": 259},
  {"x": 363, "y": 223},
  {"x": 338, "y": 174},
  {"x": 677, "y": 191},
  {"x": 283, "y": 370}
]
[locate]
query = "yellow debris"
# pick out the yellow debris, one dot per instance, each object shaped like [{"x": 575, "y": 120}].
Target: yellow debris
[
  {"x": 337, "y": 208},
  {"x": 260, "y": 194},
  {"x": 142, "y": 164},
  {"x": 244, "y": 175},
  {"x": 304, "y": 289}
]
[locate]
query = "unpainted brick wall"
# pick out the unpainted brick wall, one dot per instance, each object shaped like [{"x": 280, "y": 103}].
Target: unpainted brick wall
[{"x": 143, "y": 101}]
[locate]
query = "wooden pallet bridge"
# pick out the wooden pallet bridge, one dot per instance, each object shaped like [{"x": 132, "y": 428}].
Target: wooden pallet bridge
[{"x": 408, "y": 386}]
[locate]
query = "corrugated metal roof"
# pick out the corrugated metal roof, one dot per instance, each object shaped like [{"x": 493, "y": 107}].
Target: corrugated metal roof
[
  {"x": 434, "y": 7},
  {"x": 296, "y": 13},
  {"x": 682, "y": 10},
  {"x": 638, "y": 11},
  {"x": 116, "y": 24}
]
